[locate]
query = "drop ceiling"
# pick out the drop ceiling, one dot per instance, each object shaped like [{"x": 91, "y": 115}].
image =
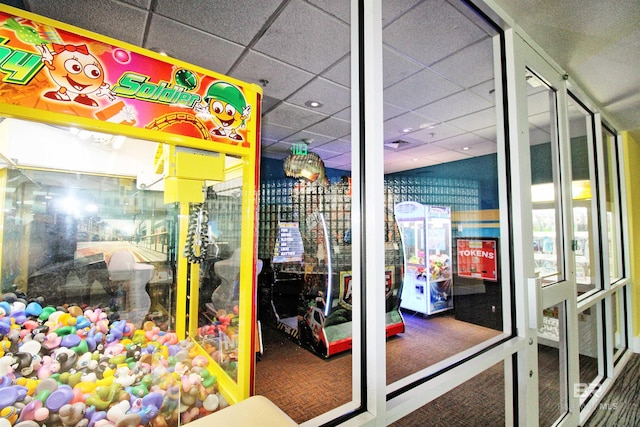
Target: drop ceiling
[{"x": 438, "y": 70}]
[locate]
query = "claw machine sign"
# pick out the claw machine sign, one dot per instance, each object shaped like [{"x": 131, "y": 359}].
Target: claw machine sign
[{"x": 48, "y": 68}]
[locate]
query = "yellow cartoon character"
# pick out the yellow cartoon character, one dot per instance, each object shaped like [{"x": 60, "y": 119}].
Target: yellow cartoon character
[
  {"x": 227, "y": 108},
  {"x": 76, "y": 72}
]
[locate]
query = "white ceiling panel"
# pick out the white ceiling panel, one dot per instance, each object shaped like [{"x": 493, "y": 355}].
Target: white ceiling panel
[
  {"x": 290, "y": 115},
  {"x": 282, "y": 79},
  {"x": 408, "y": 122},
  {"x": 432, "y": 31},
  {"x": 419, "y": 89},
  {"x": 337, "y": 146},
  {"x": 306, "y": 37},
  {"x": 475, "y": 121},
  {"x": 302, "y": 48},
  {"x": 110, "y": 18},
  {"x": 397, "y": 66},
  {"x": 340, "y": 72},
  {"x": 454, "y": 106},
  {"x": 333, "y": 97},
  {"x": 332, "y": 127},
  {"x": 459, "y": 142},
  {"x": 238, "y": 25},
  {"x": 442, "y": 131},
  {"x": 477, "y": 57},
  {"x": 170, "y": 36}
]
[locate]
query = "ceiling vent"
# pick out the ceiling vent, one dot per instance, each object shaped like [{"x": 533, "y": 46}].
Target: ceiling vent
[{"x": 394, "y": 145}]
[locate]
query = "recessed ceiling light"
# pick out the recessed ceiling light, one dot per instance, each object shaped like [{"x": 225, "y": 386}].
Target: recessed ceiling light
[
  {"x": 465, "y": 148},
  {"x": 313, "y": 104},
  {"x": 405, "y": 130},
  {"x": 428, "y": 125}
]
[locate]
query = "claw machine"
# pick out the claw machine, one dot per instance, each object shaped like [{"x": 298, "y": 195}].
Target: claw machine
[
  {"x": 426, "y": 238},
  {"x": 119, "y": 181}
]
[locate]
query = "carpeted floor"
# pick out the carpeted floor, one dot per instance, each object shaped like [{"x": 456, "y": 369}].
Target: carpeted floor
[
  {"x": 620, "y": 407},
  {"x": 305, "y": 385}
]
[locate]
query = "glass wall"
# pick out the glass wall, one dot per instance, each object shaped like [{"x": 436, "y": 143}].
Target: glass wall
[
  {"x": 441, "y": 183},
  {"x": 583, "y": 179},
  {"x": 545, "y": 172},
  {"x": 443, "y": 212},
  {"x": 613, "y": 218}
]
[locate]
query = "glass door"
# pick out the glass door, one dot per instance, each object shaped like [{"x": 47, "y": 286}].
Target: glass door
[{"x": 551, "y": 224}]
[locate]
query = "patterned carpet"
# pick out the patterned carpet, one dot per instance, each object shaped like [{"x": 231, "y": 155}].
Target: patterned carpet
[
  {"x": 305, "y": 385},
  {"x": 620, "y": 407}
]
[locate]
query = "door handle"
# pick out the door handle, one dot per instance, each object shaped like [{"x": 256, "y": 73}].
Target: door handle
[{"x": 534, "y": 285}]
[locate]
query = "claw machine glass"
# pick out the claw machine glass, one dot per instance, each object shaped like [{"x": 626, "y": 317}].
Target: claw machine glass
[
  {"x": 120, "y": 187},
  {"x": 426, "y": 238}
]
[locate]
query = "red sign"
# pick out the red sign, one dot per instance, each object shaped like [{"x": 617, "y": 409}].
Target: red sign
[{"x": 478, "y": 259}]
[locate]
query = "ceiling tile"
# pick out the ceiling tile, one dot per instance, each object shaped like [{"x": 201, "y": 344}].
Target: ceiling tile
[
  {"x": 341, "y": 162},
  {"x": 224, "y": 19},
  {"x": 339, "y": 9},
  {"x": 290, "y": 115},
  {"x": 332, "y": 126},
  {"x": 283, "y": 79},
  {"x": 344, "y": 114},
  {"x": 306, "y": 37},
  {"x": 397, "y": 66},
  {"x": 419, "y": 89},
  {"x": 486, "y": 90},
  {"x": 172, "y": 36},
  {"x": 488, "y": 133},
  {"x": 391, "y": 10},
  {"x": 460, "y": 141},
  {"x": 116, "y": 19},
  {"x": 442, "y": 131},
  {"x": 477, "y": 57},
  {"x": 454, "y": 106},
  {"x": 337, "y": 146},
  {"x": 399, "y": 126},
  {"x": 483, "y": 148},
  {"x": 433, "y": 30},
  {"x": 275, "y": 132},
  {"x": 312, "y": 138},
  {"x": 340, "y": 72},
  {"x": 478, "y": 120},
  {"x": 333, "y": 97}
]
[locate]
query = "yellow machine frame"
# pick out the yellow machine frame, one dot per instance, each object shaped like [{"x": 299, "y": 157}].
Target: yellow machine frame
[{"x": 184, "y": 187}]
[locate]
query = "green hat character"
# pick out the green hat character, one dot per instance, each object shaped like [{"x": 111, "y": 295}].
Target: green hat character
[
  {"x": 227, "y": 93},
  {"x": 231, "y": 118}
]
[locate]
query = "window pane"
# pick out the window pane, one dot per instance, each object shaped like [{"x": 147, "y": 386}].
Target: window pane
[
  {"x": 620, "y": 338},
  {"x": 543, "y": 137},
  {"x": 584, "y": 201},
  {"x": 441, "y": 183},
  {"x": 552, "y": 365},
  {"x": 589, "y": 336},
  {"x": 305, "y": 294},
  {"x": 612, "y": 208},
  {"x": 477, "y": 402}
]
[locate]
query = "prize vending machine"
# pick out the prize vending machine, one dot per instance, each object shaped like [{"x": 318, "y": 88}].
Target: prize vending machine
[{"x": 426, "y": 239}]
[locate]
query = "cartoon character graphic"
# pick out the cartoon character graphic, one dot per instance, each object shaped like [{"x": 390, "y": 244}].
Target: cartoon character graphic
[
  {"x": 25, "y": 33},
  {"x": 227, "y": 107},
  {"x": 76, "y": 72}
]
